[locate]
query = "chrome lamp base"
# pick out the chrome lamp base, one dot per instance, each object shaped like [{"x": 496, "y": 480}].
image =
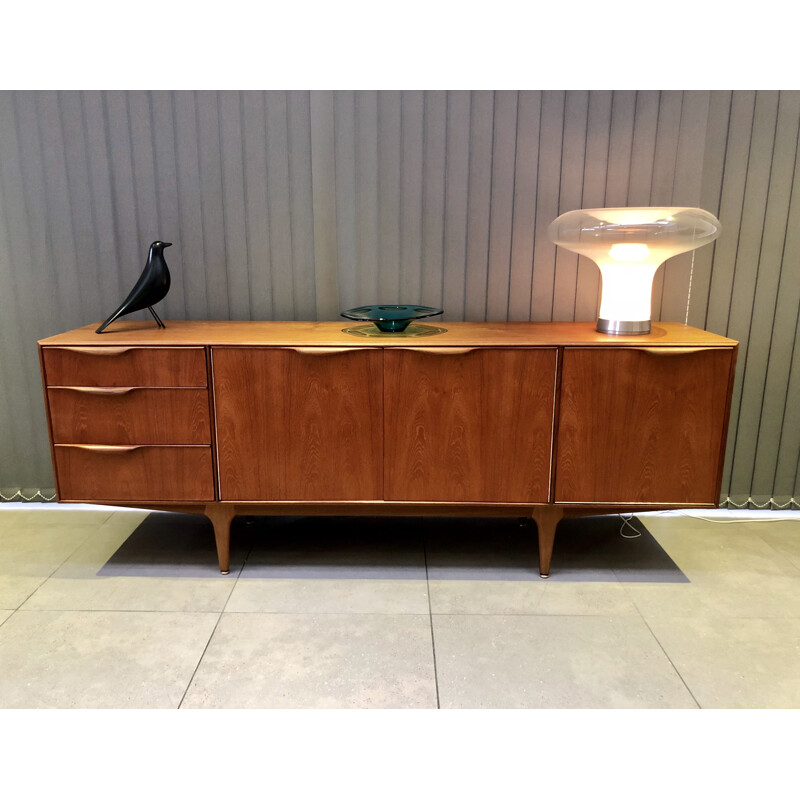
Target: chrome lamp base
[{"x": 616, "y": 326}]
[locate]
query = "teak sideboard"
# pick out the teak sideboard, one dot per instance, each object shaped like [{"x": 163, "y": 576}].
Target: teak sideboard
[{"x": 528, "y": 419}]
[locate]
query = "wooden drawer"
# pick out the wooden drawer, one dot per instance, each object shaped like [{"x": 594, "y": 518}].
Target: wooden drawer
[
  {"x": 132, "y": 415},
  {"x": 134, "y": 472},
  {"x": 125, "y": 366}
]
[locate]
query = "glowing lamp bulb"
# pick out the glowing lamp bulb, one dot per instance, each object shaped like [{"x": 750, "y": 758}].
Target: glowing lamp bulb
[
  {"x": 629, "y": 245},
  {"x": 629, "y": 252}
]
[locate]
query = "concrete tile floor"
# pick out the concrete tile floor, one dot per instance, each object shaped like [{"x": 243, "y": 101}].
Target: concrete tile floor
[{"x": 110, "y": 608}]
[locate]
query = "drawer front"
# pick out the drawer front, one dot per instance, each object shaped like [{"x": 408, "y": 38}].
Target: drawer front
[
  {"x": 132, "y": 415},
  {"x": 130, "y": 473},
  {"x": 125, "y": 366}
]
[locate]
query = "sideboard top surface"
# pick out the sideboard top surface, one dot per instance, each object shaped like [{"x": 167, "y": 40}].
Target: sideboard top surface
[{"x": 330, "y": 334}]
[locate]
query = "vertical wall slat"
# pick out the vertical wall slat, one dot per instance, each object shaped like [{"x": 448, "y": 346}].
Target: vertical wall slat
[
  {"x": 455, "y": 204},
  {"x": 551, "y": 136},
  {"x": 478, "y": 205},
  {"x": 143, "y": 171},
  {"x": 501, "y": 209},
  {"x": 266, "y": 301},
  {"x": 730, "y": 210},
  {"x": 643, "y": 148},
  {"x": 412, "y": 120},
  {"x": 388, "y": 255},
  {"x": 191, "y": 219},
  {"x": 714, "y": 148},
  {"x": 301, "y": 191},
  {"x": 677, "y": 271},
  {"x": 366, "y": 155},
  {"x": 664, "y": 165},
  {"x": 234, "y": 218},
  {"x": 270, "y": 224},
  {"x": 123, "y": 192},
  {"x": 524, "y": 219},
  {"x": 323, "y": 179},
  {"x": 433, "y": 197},
  {"x": 598, "y": 132},
  {"x": 346, "y": 208},
  {"x": 573, "y": 164},
  {"x": 211, "y": 204},
  {"x": 166, "y": 178}
]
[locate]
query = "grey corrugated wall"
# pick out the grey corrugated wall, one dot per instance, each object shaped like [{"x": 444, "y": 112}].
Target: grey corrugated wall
[{"x": 295, "y": 205}]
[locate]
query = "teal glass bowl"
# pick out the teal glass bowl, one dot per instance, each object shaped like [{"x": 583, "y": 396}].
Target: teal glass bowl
[{"x": 390, "y": 319}]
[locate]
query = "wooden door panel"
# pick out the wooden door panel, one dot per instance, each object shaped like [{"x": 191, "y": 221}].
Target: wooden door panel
[
  {"x": 133, "y": 415},
  {"x": 641, "y": 425},
  {"x": 130, "y": 473},
  {"x": 470, "y": 425},
  {"x": 299, "y": 423}
]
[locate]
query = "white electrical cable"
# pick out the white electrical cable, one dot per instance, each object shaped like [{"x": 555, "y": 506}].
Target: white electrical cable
[{"x": 627, "y": 523}]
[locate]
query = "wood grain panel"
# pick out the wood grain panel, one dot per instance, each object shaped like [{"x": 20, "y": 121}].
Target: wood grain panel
[
  {"x": 125, "y": 366},
  {"x": 299, "y": 424},
  {"x": 132, "y": 415},
  {"x": 640, "y": 425},
  {"x": 468, "y": 426},
  {"x": 134, "y": 473},
  {"x": 330, "y": 334}
]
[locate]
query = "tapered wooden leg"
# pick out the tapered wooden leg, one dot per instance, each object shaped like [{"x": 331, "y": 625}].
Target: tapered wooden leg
[
  {"x": 221, "y": 516},
  {"x": 546, "y": 519}
]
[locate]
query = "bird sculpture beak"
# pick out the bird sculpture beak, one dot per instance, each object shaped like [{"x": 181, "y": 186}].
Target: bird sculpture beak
[{"x": 167, "y": 244}]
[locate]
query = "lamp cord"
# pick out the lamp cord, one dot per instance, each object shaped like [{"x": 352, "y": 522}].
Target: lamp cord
[{"x": 689, "y": 293}]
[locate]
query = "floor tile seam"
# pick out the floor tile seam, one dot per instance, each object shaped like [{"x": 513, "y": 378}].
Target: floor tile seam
[
  {"x": 336, "y": 613},
  {"x": 111, "y": 611},
  {"x": 216, "y": 625},
  {"x": 235, "y": 581},
  {"x": 199, "y": 661},
  {"x": 672, "y": 663},
  {"x": 430, "y": 611},
  {"x": 786, "y": 558},
  {"x": 629, "y": 594},
  {"x": 22, "y": 604},
  {"x": 532, "y": 614},
  {"x": 13, "y": 611}
]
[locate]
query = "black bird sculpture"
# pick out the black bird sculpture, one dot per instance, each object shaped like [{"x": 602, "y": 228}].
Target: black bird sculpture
[{"x": 152, "y": 286}]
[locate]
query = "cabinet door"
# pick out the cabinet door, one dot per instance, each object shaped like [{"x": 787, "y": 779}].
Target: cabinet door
[
  {"x": 469, "y": 425},
  {"x": 642, "y": 425},
  {"x": 299, "y": 423}
]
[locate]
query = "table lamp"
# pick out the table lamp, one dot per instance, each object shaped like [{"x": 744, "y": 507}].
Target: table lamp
[{"x": 629, "y": 245}]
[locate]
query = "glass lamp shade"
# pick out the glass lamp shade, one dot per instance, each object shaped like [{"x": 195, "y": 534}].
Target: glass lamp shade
[{"x": 629, "y": 245}]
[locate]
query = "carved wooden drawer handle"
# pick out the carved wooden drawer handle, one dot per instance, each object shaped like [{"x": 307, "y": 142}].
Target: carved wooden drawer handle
[
  {"x": 441, "y": 351},
  {"x": 671, "y": 351},
  {"x": 323, "y": 351},
  {"x": 99, "y": 351},
  {"x": 110, "y": 390},
  {"x": 105, "y": 448}
]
